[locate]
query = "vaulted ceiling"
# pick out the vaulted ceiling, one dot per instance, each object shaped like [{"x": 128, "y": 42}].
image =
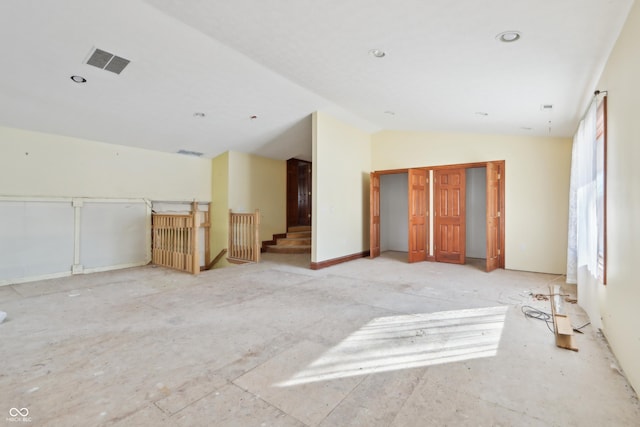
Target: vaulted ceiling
[{"x": 212, "y": 75}]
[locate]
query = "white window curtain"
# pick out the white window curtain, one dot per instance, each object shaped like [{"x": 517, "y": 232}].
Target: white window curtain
[{"x": 582, "y": 248}]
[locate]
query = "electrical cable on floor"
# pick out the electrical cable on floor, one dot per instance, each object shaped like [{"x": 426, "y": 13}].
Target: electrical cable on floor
[
  {"x": 534, "y": 313},
  {"x": 537, "y": 314},
  {"x": 580, "y": 327}
]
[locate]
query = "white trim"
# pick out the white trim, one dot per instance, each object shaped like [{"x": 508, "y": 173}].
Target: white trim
[
  {"x": 72, "y": 199},
  {"x": 114, "y": 267},
  {"x": 76, "y": 268},
  {"x": 148, "y": 236},
  {"x": 19, "y": 280},
  {"x": 106, "y": 200},
  {"x": 34, "y": 199}
]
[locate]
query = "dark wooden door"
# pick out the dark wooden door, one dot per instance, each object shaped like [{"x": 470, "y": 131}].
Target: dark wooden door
[
  {"x": 304, "y": 193},
  {"x": 417, "y": 215},
  {"x": 298, "y": 192},
  {"x": 493, "y": 216},
  {"x": 450, "y": 218},
  {"x": 374, "y": 215}
]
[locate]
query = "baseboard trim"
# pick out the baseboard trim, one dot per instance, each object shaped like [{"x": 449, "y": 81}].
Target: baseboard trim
[{"x": 339, "y": 260}]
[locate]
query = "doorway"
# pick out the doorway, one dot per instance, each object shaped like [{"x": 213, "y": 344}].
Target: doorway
[
  {"x": 298, "y": 193},
  {"x": 476, "y": 210}
]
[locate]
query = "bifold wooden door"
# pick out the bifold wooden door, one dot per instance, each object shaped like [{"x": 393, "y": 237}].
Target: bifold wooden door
[
  {"x": 374, "y": 215},
  {"x": 418, "y": 208},
  {"x": 493, "y": 216},
  {"x": 449, "y": 210}
]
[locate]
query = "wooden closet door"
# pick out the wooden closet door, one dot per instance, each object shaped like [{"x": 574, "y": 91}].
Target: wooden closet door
[
  {"x": 417, "y": 215},
  {"x": 493, "y": 216},
  {"x": 374, "y": 215},
  {"x": 450, "y": 215}
]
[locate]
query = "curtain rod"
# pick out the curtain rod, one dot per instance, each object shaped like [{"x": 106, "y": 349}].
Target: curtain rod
[{"x": 595, "y": 95}]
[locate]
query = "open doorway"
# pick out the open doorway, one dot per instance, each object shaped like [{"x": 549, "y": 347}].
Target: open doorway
[
  {"x": 476, "y": 223},
  {"x": 394, "y": 212},
  {"x": 298, "y": 193}
]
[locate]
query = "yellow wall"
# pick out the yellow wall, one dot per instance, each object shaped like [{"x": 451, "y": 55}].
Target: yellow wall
[
  {"x": 340, "y": 196},
  {"x": 619, "y": 301},
  {"x": 46, "y": 165},
  {"x": 243, "y": 183},
  {"x": 537, "y": 185},
  {"x": 259, "y": 183},
  {"x": 219, "y": 232}
]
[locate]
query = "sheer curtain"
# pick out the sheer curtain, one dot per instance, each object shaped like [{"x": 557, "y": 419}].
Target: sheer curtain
[
  {"x": 582, "y": 248},
  {"x": 584, "y": 217}
]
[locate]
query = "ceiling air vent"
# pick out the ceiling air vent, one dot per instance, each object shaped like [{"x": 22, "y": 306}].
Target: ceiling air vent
[
  {"x": 546, "y": 107},
  {"x": 190, "y": 153},
  {"x": 107, "y": 61}
]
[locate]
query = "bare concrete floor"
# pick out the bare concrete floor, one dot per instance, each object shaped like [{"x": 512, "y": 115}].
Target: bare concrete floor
[{"x": 366, "y": 343}]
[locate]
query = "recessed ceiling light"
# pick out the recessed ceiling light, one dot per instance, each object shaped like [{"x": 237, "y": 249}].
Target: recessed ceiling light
[
  {"x": 198, "y": 114},
  {"x": 78, "y": 79},
  {"x": 509, "y": 36},
  {"x": 377, "y": 53}
]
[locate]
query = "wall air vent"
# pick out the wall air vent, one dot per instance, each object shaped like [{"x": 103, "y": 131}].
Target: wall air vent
[
  {"x": 190, "y": 153},
  {"x": 107, "y": 61}
]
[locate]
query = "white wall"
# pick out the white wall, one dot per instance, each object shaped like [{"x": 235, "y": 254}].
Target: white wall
[
  {"x": 39, "y": 164},
  {"x": 619, "y": 300},
  {"x": 340, "y": 205},
  {"x": 394, "y": 212},
  {"x": 537, "y": 185},
  {"x": 476, "y": 211}
]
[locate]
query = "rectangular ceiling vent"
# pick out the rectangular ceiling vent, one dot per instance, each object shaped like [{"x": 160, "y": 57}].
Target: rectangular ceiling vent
[
  {"x": 546, "y": 107},
  {"x": 107, "y": 61},
  {"x": 190, "y": 153}
]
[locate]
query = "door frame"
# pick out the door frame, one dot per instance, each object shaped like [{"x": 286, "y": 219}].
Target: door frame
[{"x": 502, "y": 219}]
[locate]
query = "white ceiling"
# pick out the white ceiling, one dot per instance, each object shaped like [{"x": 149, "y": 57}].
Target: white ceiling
[{"x": 281, "y": 60}]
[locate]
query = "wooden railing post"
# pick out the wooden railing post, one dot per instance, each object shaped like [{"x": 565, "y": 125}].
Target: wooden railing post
[
  {"x": 195, "y": 266},
  {"x": 232, "y": 251},
  {"x": 256, "y": 237}
]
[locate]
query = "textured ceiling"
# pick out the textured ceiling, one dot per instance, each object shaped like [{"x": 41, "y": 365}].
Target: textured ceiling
[{"x": 280, "y": 60}]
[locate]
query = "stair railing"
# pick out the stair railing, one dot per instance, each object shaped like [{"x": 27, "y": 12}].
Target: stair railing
[{"x": 244, "y": 237}]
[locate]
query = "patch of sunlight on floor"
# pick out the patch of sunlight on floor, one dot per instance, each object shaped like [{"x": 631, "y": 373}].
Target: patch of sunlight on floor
[{"x": 409, "y": 341}]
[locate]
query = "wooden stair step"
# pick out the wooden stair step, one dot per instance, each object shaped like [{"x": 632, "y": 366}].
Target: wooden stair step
[
  {"x": 294, "y": 234},
  {"x": 286, "y": 249},
  {"x": 294, "y": 241},
  {"x": 300, "y": 228}
]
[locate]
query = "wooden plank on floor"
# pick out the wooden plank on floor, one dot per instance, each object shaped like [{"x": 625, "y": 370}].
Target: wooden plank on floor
[{"x": 561, "y": 322}]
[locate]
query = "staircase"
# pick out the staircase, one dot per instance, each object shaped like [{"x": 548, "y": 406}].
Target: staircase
[{"x": 297, "y": 241}]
